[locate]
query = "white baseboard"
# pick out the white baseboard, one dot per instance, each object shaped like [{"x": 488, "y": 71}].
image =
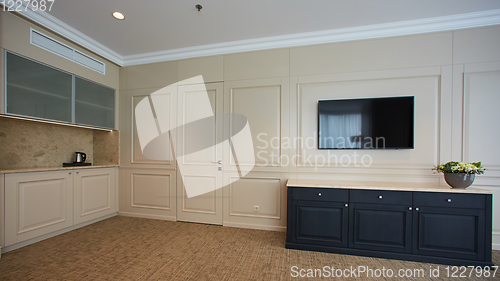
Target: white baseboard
[
  {"x": 255, "y": 226},
  {"x": 146, "y": 216},
  {"x": 52, "y": 234}
]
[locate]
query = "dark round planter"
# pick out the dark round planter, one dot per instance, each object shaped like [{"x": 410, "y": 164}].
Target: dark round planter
[{"x": 459, "y": 180}]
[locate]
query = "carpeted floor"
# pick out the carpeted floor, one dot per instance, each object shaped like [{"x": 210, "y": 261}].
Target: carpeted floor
[{"x": 123, "y": 248}]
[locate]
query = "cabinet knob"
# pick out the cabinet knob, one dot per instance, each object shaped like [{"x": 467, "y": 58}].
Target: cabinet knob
[
  {"x": 409, "y": 208},
  {"x": 449, "y": 200},
  {"x": 77, "y": 173},
  {"x": 380, "y": 197},
  {"x": 416, "y": 209},
  {"x": 346, "y": 205},
  {"x": 319, "y": 194},
  {"x": 70, "y": 173}
]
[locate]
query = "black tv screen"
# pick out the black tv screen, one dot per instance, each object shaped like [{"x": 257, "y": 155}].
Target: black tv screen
[{"x": 374, "y": 123}]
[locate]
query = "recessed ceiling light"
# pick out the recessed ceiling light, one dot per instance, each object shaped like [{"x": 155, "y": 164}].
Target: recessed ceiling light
[{"x": 118, "y": 15}]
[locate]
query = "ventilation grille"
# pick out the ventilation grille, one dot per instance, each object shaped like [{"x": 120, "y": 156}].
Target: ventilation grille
[{"x": 43, "y": 41}]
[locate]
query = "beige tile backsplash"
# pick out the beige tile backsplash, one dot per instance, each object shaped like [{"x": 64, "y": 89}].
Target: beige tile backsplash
[{"x": 31, "y": 144}]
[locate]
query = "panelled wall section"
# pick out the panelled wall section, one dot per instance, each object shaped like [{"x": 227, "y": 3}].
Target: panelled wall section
[{"x": 453, "y": 76}]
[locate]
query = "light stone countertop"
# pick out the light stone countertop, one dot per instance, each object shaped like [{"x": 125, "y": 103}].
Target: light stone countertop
[
  {"x": 396, "y": 186},
  {"x": 45, "y": 169}
]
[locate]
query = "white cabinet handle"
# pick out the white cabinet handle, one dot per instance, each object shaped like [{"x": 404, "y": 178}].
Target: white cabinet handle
[
  {"x": 380, "y": 197},
  {"x": 409, "y": 208},
  {"x": 346, "y": 205},
  {"x": 319, "y": 194},
  {"x": 416, "y": 209},
  {"x": 449, "y": 200}
]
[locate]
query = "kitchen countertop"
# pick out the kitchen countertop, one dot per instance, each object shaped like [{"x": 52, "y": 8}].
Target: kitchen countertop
[
  {"x": 44, "y": 169},
  {"x": 396, "y": 186}
]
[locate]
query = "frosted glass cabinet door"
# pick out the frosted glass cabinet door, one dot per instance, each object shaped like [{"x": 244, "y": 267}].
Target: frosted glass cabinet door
[
  {"x": 94, "y": 104},
  {"x": 36, "y": 90}
]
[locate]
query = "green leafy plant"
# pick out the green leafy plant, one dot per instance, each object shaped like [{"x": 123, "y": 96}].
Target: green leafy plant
[{"x": 460, "y": 167}]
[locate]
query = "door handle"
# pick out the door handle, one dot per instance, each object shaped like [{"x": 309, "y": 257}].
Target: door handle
[{"x": 218, "y": 162}]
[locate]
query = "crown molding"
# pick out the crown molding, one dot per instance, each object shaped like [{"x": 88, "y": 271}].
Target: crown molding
[
  {"x": 59, "y": 27},
  {"x": 411, "y": 27}
]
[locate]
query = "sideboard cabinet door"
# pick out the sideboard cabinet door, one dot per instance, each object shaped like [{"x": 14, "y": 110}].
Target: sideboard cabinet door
[
  {"x": 320, "y": 223},
  {"x": 449, "y": 232},
  {"x": 380, "y": 227}
]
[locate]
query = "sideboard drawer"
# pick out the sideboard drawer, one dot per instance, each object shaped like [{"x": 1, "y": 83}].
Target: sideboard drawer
[
  {"x": 445, "y": 199},
  {"x": 321, "y": 194},
  {"x": 381, "y": 197}
]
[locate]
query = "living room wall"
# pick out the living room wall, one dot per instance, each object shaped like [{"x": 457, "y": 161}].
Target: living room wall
[{"x": 453, "y": 75}]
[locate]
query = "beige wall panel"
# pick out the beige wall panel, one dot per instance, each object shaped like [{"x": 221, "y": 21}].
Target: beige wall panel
[
  {"x": 476, "y": 45},
  {"x": 153, "y": 75},
  {"x": 266, "y": 190},
  {"x": 137, "y": 156},
  {"x": 261, "y": 105},
  {"x": 255, "y": 197},
  {"x": 425, "y": 155},
  {"x": 15, "y": 37},
  {"x": 150, "y": 191},
  {"x": 261, "y": 64},
  {"x": 363, "y": 55},
  {"x": 212, "y": 68},
  {"x": 481, "y": 126},
  {"x": 147, "y": 193}
]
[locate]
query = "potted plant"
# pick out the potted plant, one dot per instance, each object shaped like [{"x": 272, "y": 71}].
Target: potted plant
[{"x": 460, "y": 174}]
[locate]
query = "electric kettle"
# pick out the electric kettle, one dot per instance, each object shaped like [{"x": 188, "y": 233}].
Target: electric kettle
[{"x": 80, "y": 157}]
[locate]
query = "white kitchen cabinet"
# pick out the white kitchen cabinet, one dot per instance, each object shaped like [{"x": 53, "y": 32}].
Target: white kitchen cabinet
[
  {"x": 36, "y": 204},
  {"x": 41, "y": 203},
  {"x": 94, "y": 194}
]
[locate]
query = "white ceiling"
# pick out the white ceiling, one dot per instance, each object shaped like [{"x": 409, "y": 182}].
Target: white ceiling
[{"x": 163, "y": 25}]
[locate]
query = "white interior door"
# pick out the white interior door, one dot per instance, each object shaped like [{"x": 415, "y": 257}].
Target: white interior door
[{"x": 199, "y": 153}]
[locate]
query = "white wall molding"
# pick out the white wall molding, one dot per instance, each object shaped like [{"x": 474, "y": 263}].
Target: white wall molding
[{"x": 436, "y": 24}]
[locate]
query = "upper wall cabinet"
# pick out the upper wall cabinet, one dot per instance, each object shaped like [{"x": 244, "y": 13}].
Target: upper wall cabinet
[
  {"x": 94, "y": 104},
  {"x": 37, "y": 90}
]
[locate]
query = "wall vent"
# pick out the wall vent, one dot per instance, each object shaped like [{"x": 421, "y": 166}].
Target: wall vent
[{"x": 43, "y": 41}]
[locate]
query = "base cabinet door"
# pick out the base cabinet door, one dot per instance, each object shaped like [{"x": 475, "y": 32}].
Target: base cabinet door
[
  {"x": 320, "y": 223},
  {"x": 380, "y": 227},
  {"x": 94, "y": 194},
  {"x": 37, "y": 204},
  {"x": 449, "y": 232}
]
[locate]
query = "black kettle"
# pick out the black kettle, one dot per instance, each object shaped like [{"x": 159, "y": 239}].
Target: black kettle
[{"x": 80, "y": 157}]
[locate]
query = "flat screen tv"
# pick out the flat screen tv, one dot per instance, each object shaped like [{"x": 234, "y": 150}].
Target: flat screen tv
[{"x": 373, "y": 123}]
